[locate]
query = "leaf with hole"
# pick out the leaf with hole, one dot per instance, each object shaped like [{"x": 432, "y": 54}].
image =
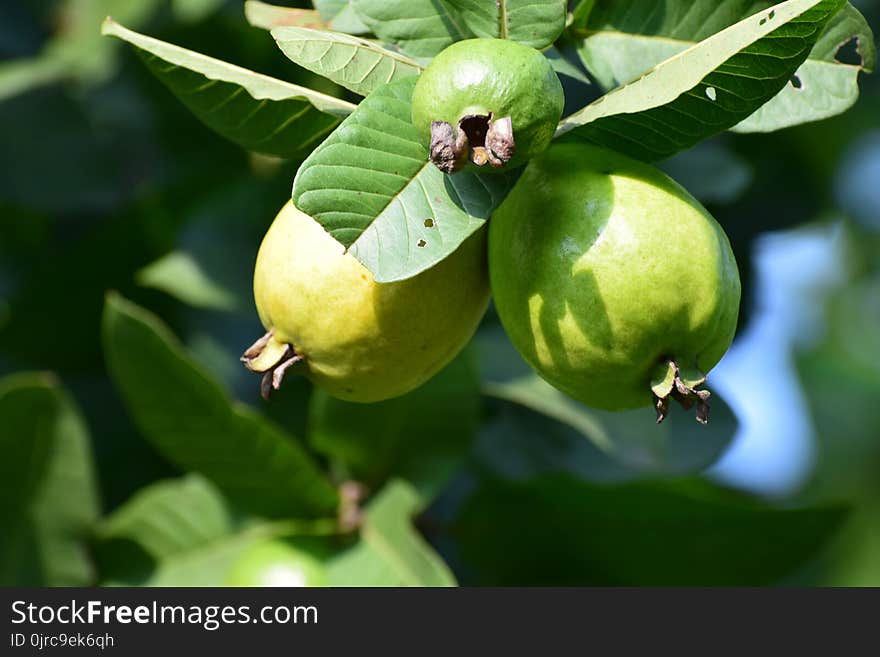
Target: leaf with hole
[
  {"x": 255, "y": 111},
  {"x": 824, "y": 85},
  {"x": 707, "y": 88},
  {"x": 357, "y": 64},
  {"x": 617, "y": 49},
  {"x": 371, "y": 186}
]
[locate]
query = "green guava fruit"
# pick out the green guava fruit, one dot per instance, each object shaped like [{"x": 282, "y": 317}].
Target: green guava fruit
[
  {"x": 612, "y": 281},
  {"x": 487, "y": 101},
  {"x": 327, "y": 318},
  {"x": 276, "y": 563}
]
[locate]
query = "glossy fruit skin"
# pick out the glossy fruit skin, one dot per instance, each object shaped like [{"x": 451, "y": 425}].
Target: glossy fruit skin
[
  {"x": 364, "y": 341},
  {"x": 276, "y": 563},
  {"x": 602, "y": 266},
  {"x": 497, "y": 76}
]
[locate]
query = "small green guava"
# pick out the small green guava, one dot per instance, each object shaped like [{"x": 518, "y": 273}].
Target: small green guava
[
  {"x": 487, "y": 101},
  {"x": 612, "y": 281},
  {"x": 327, "y": 318},
  {"x": 276, "y": 563}
]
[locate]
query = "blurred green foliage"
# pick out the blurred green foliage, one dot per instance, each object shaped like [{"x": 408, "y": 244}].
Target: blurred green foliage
[{"x": 130, "y": 457}]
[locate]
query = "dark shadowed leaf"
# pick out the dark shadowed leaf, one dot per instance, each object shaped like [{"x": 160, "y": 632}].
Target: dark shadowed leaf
[
  {"x": 420, "y": 437},
  {"x": 641, "y": 534},
  {"x": 258, "y": 112},
  {"x": 420, "y": 28},
  {"x": 48, "y": 494},
  {"x": 192, "y": 422},
  {"x": 621, "y": 444}
]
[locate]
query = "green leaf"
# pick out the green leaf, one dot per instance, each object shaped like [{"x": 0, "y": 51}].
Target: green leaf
[
  {"x": 707, "y": 88},
  {"x": 535, "y": 23},
  {"x": 170, "y": 517},
  {"x": 48, "y": 493},
  {"x": 580, "y": 13},
  {"x": 823, "y": 86},
  {"x": 564, "y": 67},
  {"x": 266, "y": 16},
  {"x": 255, "y": 111},
  {"x": 618, "y": 47},
  {"x": 357, "y": 64},
  {"x": 390, "y": 552},
  {"x": 190, "y": 420},
  {"x": 684, "y": 533},
  {"x": 206, "y": 566},
  {"x": 370, "y": 184},
  {"x": 420, "y": 437},
  {"x": 179, "y": 275},
  {"x": 182, "y": 533},
  {"x": 341, "y": 16},
  {"x": 21, "y": 75},
  {"x": 630, "y": 439},
  {"x": 420, "y": 28}
]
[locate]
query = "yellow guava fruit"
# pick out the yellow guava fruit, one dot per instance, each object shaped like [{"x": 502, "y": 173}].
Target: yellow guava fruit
[{"x": 359, "y": 340}]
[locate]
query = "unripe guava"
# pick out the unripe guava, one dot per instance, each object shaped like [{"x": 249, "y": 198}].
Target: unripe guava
[
  {"x": 359, "y": 340},
  {"x": 612, "y": 281},
  {"x": 487, "y": 101},
  {"x": 276, "y": 563}
]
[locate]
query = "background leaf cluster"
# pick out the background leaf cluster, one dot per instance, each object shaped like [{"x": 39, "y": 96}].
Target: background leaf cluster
[{"x": 135, "y": 448}]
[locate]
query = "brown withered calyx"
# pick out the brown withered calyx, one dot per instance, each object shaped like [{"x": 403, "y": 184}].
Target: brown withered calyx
[{"x": 478, "y": 138}]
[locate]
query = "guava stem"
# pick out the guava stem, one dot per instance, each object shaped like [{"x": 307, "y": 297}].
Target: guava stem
[
  {"x": 685, "y": 395},
  {"x": 351, "y": 495}
]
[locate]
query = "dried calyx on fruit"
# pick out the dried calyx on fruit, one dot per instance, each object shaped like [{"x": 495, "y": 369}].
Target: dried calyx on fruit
[{"x": 487, "y": 102}]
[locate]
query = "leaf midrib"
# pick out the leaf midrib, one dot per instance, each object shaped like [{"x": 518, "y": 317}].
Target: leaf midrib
[
  {"x": 175, "y": 55},
  {"x": 344, "y": 39}
]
